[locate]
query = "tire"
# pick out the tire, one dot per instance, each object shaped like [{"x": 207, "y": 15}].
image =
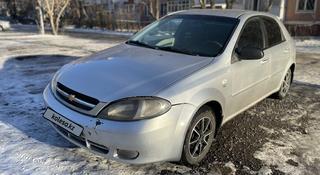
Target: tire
[
  {"x": 285, "y": 86},
  {"x": 203, "y": 140},
  {"x": 1, "y": 29}
]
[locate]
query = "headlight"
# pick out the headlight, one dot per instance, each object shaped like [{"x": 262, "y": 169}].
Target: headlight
[
  {"x": 54, "y": 82},
  {"x": 135, "y": 108},
  {"x": 55, "y": 77}
]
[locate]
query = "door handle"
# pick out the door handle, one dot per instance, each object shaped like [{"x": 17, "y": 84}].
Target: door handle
[
  {"x": 224, "y": 82},
  {"x": 264, "y": 60}
]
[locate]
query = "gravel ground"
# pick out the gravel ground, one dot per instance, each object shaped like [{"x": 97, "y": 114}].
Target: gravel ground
[{"x": 273, "y": 137}]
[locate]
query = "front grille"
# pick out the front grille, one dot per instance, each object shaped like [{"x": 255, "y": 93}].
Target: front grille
[
  {"x": 82, "y": 141},
  {"x": 74, "y": 98}
]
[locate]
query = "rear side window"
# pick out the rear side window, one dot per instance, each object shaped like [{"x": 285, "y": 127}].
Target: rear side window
[
  {"x": 252, "y": 35},
  {"x": 274, "y": 34}
]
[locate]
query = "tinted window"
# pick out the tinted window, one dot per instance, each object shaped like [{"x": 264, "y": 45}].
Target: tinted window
[
  {"x": 251, "y": 35},
  {"x": 273, "y": 30},
  {"x": 301, "y": 4},
  {"x": 306, "y": 5},
  {"x": 310, "y": 5},
  {"x": 191, "y": 34}
]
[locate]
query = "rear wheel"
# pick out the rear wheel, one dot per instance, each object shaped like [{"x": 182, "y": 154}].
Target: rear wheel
[
  {"x": 285, "y": 86},
  {"x": 200, "y": 136}
]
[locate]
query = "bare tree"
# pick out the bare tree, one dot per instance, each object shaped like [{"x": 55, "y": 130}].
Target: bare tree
[
  {"x": 39, "y": 8},
  {"x": 268, "y": 8},
  {"x": 153, "y": 7},
  {"x": 212, "y": 3},
  {"x": 79, "y": 12},
  {"x": 203, "y": 4},
  {"x": 229, "y": 3},
  {"x": 55, "y": 10},
  {"x": 12, "y": 8},
  {"x": 157, "y": 9}
]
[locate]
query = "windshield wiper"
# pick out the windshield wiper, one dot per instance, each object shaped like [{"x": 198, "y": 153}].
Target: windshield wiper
[
  {"x": 172, "y": 49},
  {"x": 139, "y": 43}
]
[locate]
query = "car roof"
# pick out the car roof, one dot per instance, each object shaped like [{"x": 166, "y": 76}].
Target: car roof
[{"x": 232, "y": 13}]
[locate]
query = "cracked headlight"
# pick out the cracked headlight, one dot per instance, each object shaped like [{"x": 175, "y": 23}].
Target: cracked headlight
[{"x": 135, "y": 108}]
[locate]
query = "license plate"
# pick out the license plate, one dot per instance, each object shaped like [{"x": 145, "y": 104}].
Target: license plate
[{"x": 63, "y": 122}]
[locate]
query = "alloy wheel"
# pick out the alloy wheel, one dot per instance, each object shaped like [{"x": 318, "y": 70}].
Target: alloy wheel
[
  {"x": 286, "y": 83},
  {"x": 199, "y": 138}
]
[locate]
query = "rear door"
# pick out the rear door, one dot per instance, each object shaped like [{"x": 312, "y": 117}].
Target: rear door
[
  {"x": 249, "y": 77},
  {"x": 278, "y": 49}
]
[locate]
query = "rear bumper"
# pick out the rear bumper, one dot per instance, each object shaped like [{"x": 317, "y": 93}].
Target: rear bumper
[{"x": 154, "y": 140}]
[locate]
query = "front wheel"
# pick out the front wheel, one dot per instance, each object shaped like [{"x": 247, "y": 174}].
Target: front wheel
[
  {"x": 285, "y": 86},
  {"x": 200, "y": 136}
]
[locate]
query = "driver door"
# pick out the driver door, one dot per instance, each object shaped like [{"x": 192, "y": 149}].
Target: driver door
[{"x": 249, "y": 77}]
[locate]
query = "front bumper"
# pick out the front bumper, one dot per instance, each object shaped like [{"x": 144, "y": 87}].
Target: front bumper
[{"x": 156, "y": 139}]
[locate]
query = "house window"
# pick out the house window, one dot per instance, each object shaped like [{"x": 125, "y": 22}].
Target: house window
[
  {"x": 306, "y": 5},
  {"x": 163, "y": 9}
]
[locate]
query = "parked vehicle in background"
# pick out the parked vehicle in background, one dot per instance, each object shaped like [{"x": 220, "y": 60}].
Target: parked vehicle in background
[
  {"x": 163, "y": 94},
  {"x": 26, "y": 20},
  {"x": 4, "y": 25}
]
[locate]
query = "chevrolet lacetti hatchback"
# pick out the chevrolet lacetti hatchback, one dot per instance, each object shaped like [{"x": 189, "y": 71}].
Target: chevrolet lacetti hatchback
[{"x": 163, "y": 94}]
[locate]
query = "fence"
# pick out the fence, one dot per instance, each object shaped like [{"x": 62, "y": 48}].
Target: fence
[{"x": 121, "y": 18}]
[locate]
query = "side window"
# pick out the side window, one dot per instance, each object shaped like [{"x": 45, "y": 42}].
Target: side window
[
  {"x": 274, "y": 34},
  {"x": 252, "y": 35}
]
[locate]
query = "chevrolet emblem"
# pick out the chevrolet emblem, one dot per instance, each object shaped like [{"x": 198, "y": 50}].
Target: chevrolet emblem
[{"x": 71, "y": 97}]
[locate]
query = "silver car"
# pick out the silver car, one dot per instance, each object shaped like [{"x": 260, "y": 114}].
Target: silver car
[{"x": 163, "y": 94}]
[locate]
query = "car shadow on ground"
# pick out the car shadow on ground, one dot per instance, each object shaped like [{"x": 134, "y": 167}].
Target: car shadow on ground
[{"x": 24, "y": 78}]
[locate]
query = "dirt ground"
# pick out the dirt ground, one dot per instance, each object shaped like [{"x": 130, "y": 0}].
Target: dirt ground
[{"x": 273, "y": 137}]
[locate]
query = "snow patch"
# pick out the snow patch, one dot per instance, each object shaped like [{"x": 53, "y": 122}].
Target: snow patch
[
  {"x": 308, "y": 45},
  {"x": 97, "y": 31},
  {"x": 232, "y": 167},
  {"x": 265, "y": 171},
  {"x": 294, "y": 153}
]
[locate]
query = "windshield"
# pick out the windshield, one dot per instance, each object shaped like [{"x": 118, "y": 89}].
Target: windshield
[{"x": 188, "y": 34}]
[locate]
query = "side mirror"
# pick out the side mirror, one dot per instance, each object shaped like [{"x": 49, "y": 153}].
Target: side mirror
[{"x": 250, "y": 53}]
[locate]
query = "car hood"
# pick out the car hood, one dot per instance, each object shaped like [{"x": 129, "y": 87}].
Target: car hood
[{"x": 127, "y": 71}]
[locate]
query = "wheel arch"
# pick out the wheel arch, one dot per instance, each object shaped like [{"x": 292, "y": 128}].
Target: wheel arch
[
  {"x": 213, "y": 98},
  {"x": 216, "y": 107}
]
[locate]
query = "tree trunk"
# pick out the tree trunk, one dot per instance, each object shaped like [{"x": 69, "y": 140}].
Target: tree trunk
[
  {"x": 212, "y": 4},
  {"x": 12, "y": 8},
  {"x": 157, "y": 9},
  {"x": 78, "y": 19},
  {"x": 55, "y": 11},
  {"x": 229, "y": 3},
  {"x": 58, "y": 18},
  {"x": 40, "y": 17},
  {"x": 52, "y": 24},
  {"x": 154, "y": 8},
  {"x": 269, "y": 6},
  {"x": 41, "y": 20},
  {"x": 202, "y": 4}
]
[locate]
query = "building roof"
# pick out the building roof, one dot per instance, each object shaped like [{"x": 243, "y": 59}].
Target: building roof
[{"x": 232, "y": 13}]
